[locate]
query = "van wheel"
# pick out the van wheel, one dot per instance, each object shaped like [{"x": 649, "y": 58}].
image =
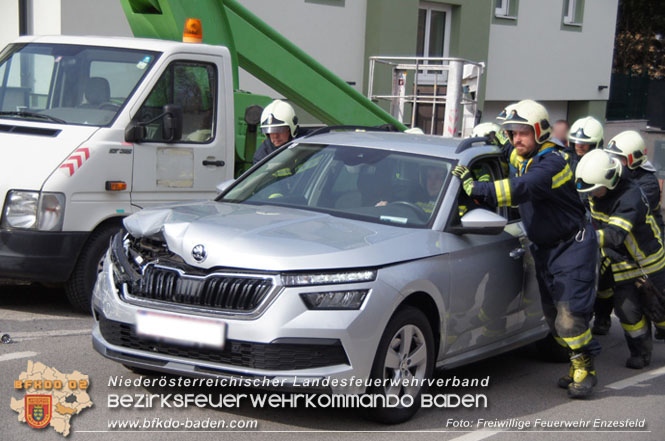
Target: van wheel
[
  {"x": 405, "y": 352},
  {"x": 82, "y": 280}
]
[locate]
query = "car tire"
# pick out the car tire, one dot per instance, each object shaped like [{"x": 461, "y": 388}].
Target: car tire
[
  {"x": 82, "y": 280},
  {"x": 405, "y": 322},
  {"x": 551, "y": 351}
]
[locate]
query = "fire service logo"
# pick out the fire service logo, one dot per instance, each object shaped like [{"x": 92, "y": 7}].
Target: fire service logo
[{"x": 38, "y": 410}]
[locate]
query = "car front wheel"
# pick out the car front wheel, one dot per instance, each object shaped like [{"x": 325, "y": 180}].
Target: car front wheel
[{"x": 404, "y": 361}]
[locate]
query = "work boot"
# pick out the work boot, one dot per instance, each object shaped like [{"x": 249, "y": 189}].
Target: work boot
[
  {"x": 602, "y": 310},
  {"x": 601, "y": 325},
  {"x": 640, "y": 352},
  {"x": 584, "y": 376},
  {"x": 660, "y": 334},
  {"x": 568, "y": 378}
]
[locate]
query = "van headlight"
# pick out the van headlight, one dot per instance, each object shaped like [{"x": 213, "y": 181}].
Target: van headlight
[{"x": 34, "y": 210}]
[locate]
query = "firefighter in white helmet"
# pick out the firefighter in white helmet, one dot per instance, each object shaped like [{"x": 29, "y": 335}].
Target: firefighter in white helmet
[
  {"x": 630, "y": 244},
  {"x": 630, "y": 149},
  {"x": 564, "y": 248},
  {"x": 585, "y": 135},
  {"x": 280, "y": 123}
]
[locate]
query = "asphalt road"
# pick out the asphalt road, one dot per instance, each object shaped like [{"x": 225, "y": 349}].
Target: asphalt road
[{"x": 522, "y": 390}]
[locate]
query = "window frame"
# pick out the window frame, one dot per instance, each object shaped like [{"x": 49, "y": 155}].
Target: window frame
[
  {"x": 214, "y": 83},
  {"x": 506, "y": 13},
  {"x": 503, "y": 10},
  {"x": 572, "y": 15},
  {"x": 426, "y": 78}
]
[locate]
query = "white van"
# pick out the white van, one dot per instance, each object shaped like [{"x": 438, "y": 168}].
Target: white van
[{"x": 90, "y": 133}]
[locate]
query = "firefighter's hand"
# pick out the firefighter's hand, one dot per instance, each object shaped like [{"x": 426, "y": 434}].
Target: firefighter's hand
[{"x": 464, "y": 175}]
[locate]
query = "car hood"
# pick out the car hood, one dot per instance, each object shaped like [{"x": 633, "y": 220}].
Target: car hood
[{"x": 271, "y": 238}]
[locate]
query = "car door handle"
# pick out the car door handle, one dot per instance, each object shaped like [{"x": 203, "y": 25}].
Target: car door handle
[
  {"x": 215, "y": 163},
  {"x": 517, "y": 253}
]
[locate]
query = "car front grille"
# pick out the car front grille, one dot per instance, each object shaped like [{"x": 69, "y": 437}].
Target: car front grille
[
  {"x": 269, "y": 356},
  {"x": 215, "y": 291}
]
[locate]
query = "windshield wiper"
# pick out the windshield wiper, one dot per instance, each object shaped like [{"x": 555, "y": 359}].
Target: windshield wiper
[{"x": 25, "y": 114}]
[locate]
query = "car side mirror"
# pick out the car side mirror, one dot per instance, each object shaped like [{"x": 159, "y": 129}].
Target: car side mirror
[
  {"x": 481, "y": 221},
  {"x": 172, "y": 126},
  {"x": 134, "y": 132}
]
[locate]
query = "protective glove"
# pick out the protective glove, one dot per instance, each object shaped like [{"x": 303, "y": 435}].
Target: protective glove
[{"x": 464, "y": 175}]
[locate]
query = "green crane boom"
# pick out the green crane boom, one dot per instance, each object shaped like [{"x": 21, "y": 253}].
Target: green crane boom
[{"x": 262, "y": 52}]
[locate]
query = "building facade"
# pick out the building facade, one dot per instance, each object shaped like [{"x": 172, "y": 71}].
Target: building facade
[{"x": 558, "y": 52}]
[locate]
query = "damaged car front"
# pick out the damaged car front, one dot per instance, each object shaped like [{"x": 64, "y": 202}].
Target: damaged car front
[{"x": 326, "y": 264}]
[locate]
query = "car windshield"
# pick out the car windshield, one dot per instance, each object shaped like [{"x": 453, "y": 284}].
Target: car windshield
[
  {"x": 370, "y": 184},
  {"x": 69, "y": 84}
]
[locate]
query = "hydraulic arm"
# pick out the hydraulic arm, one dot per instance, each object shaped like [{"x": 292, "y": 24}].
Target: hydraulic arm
[{"x": 262, "y": 52}]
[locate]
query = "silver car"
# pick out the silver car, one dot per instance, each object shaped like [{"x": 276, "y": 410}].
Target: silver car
[{"x": 344, "y": 256}]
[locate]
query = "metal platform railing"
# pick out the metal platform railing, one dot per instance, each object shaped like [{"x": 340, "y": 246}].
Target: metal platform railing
[{"x": 450, "y": 83}]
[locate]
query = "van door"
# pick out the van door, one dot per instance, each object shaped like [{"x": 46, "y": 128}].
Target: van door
[{"x": 191, "y": 167}]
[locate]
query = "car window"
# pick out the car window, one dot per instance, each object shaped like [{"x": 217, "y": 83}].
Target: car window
[
  {"x": 483, "y": 170},
  {"x": 355, "y": 182}
]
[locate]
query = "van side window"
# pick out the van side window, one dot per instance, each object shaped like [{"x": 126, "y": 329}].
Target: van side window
[{"x": 191, "y": 86}]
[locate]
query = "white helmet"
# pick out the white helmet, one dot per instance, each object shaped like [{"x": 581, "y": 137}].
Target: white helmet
[
  {"x": 490, "y": 130},
  {"x": 504, "y": 113},
  {"x": 586, "y": 131},
  {"x": 530, "y": 113},
  {"x": 279, "y": 114},
  {"x": 630, "y": 145},
  {"x": 597, "y": 169}
]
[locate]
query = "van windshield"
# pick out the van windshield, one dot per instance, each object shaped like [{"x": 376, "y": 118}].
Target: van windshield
[
  {"x": 70, "y": 84},
  {"x": 369, "y": 184}
]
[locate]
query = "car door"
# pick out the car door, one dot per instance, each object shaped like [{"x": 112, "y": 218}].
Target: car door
[
  {"x": 487, "y": 273},
  {"x": 191, "y": 167}
]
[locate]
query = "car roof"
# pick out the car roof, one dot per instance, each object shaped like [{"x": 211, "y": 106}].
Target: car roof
[{"x": 430, "y": 145}]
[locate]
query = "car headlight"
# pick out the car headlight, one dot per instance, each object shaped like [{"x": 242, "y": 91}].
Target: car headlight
[
  {"x": 34, "y": 210},
  {"x": 334, "y": 299},
  {"x": 328, "y": 278}
]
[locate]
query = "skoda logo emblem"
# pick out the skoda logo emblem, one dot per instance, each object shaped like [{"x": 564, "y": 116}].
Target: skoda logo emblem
[{"x": 199, "y": 253}]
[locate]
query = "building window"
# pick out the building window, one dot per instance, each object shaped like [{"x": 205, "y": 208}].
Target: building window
[
  {"x": 433, "y": 35},
  {"x": 505, "y": 12},
  {"x": 573, "y": 11},
  {"x": 502, "y": 8}
]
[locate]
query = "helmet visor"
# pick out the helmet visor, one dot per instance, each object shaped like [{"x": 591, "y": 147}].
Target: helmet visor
[
  {"x": 517, "y": 127},
  {"x": 275, "y": 129},
  {"x": 579, "y": 136},
  {"x": 584, "y": 187}
]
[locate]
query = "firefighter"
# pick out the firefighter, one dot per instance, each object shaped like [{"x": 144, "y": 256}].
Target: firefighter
[
  {"x": 280, "y": 123},
  {"x": 492, "y": 131},
  {"x": 564, "y": 247},
  {"x": 630, "y": 149},
  {"x": 585, "y": 134},
  {"x": 629, "y": 237}
]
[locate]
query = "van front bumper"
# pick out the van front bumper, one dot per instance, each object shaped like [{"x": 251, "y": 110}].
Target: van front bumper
[{"x": 39, "y": 256}]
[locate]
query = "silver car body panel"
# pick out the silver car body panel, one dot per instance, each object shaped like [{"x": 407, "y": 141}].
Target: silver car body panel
[{"x": 481, "y": 295}]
